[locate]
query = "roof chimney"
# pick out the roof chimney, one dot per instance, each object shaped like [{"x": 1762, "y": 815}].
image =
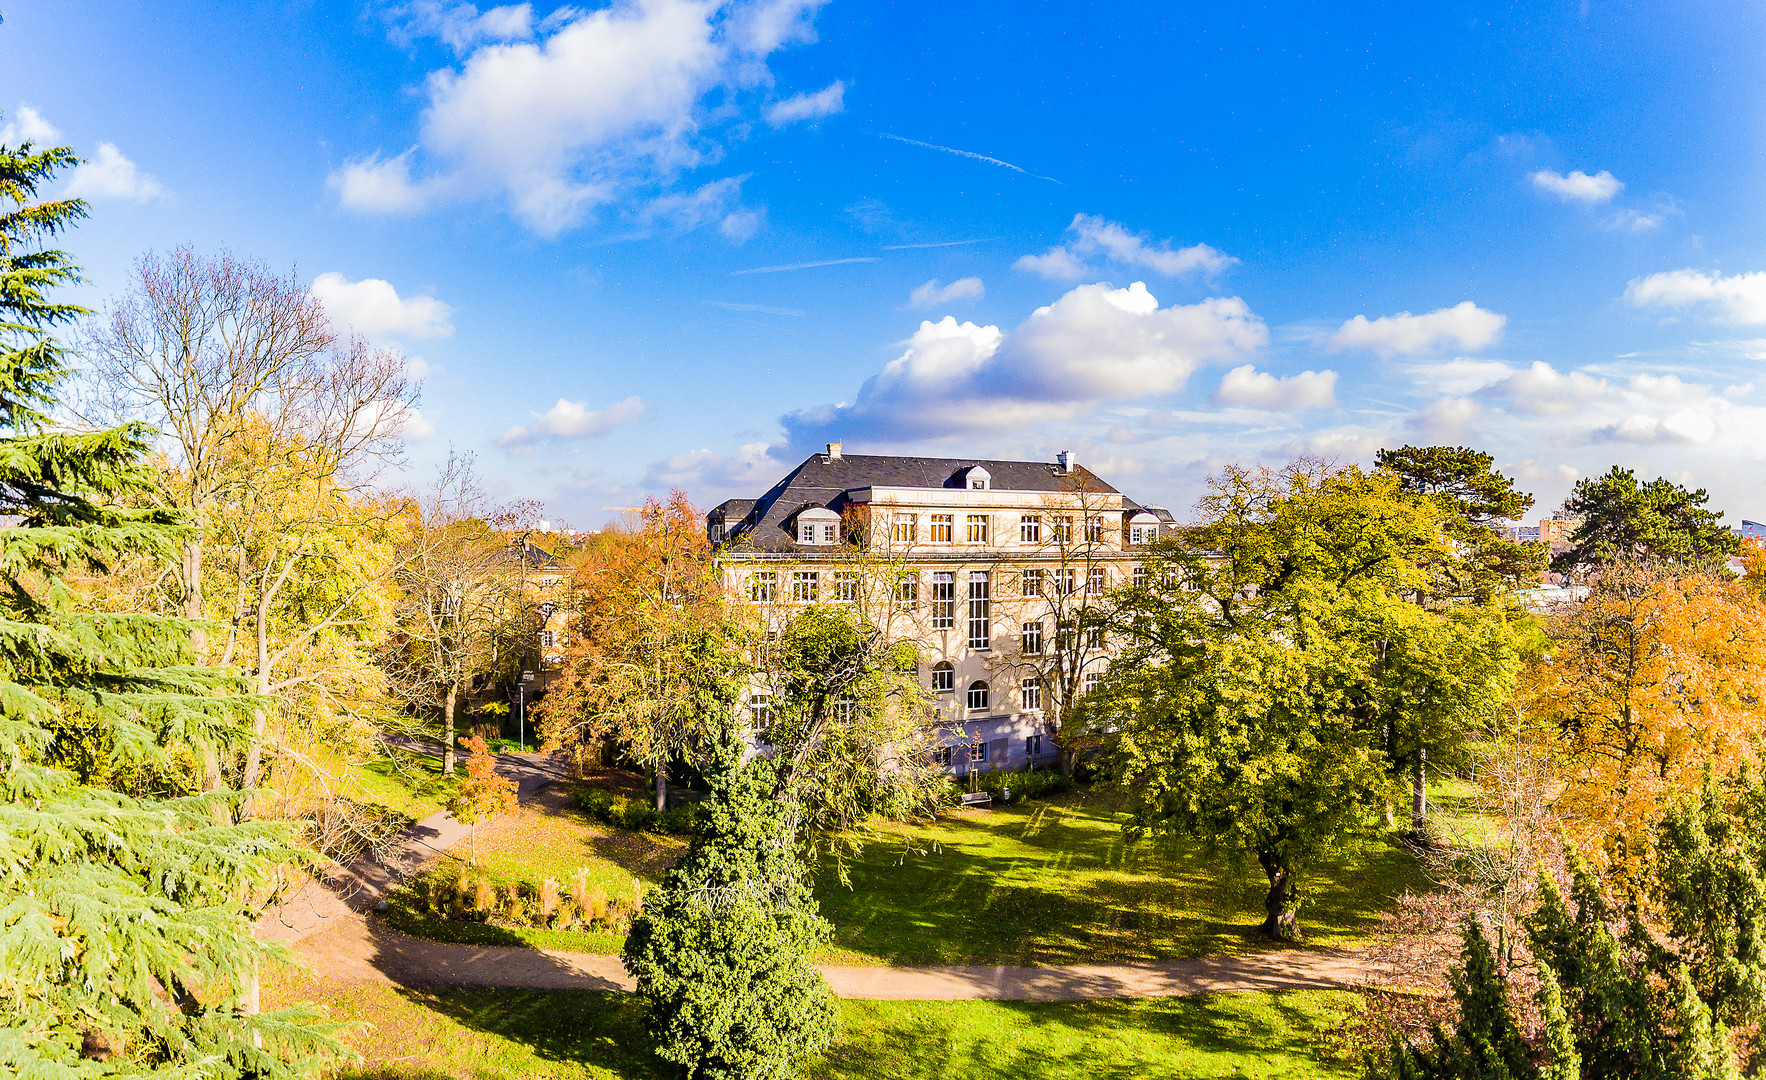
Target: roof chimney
[
  {"x": 1065, "y": 458},
  {"x": 833, "y": 451}
]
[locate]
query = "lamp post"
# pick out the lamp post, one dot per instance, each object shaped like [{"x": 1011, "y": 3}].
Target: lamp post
[{"x": 521, "y": 708}]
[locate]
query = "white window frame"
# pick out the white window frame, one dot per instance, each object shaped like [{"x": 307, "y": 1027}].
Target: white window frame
[
  {"x": 944, "y": 600},
  {"x": 763, "y": 586},
  {"x": 845, "y": 586},
  {"x": 1094, "y": 530},
  {"x": 1030, "y": 529},
  {"x": 904, "y": 529},
  {"x": 760, "y": 708},
  {"x": 1031, "y": 691},
  {"x": 1033, "y": 746},
  {"x": 949, "y": 671},
  {"x": 978, "y": 751},
  {"x": 1031, "y": 580},
  {"x": 806, "y": 586},
  {"x": 944, "y": 529},
  {"x": 1030, "y": 641},
  {"x": 975, "y": 529},
  {"x": 978, "y": 689},
  {"x": 980, "y": 610},
  {"x": 1097, "y": 581},
  {"x": 907, "y": 592}
]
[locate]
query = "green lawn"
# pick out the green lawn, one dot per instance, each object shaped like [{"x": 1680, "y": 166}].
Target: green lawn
[
  {"x": 1055, "y": 881},
  {"x": 414, "y": 785},
  {"x": 1044, "y": 882},
  {"x": 566, "y": 1035}
]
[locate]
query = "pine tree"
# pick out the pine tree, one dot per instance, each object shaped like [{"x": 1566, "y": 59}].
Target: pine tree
[
  {"x": 1487, "y": 1043},
  {"x": 124, "y": 947},
  {"x": 722, "y": 952}
]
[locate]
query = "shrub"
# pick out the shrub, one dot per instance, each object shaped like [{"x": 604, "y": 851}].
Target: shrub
[
  {"x": 1025, "y": 783},
  {"x": 634, "y": 815}
]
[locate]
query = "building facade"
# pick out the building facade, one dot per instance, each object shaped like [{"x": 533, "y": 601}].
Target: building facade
[{"x": 997, "y": 570}]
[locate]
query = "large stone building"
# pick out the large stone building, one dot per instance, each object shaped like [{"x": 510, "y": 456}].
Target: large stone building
[{"x": 996, "y": 569}]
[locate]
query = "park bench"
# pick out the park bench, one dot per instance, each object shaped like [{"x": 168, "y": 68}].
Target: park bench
[{"x": 977, "y": 798}]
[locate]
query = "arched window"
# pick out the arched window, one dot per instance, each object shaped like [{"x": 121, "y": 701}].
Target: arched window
[
  {"x": 944, "y": 677},
  {"x": 977, "y": 695}
]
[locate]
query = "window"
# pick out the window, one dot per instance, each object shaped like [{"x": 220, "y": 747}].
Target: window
[
  {"x": 944, "y": 601},
  {"x": 761, "y": 584},
  {"x": 1063, "y": 635},
  {"x": 1140, "y": 577},
  {"x": 944, "y": 677},
  {"x": 977, "y": 695},
  {"x": 907, "y": 591},
  {"x": 1064, "y": 582},
  {"x": 830, "y": 532},
  {"x": 1094, "y": 530},
  {"x": 845, "y": 586},
  {"x": 843, "y": 709},
  {"x": 1032, "y": 582},
  {"x": 1030, "y": 529},
  {"x": 1143, "y": 534},
  {"x": 1092, "y": 678},
  {"x": 941, "y": 528},
  {"x": 1062, "y": 528},
  {"x": 1032, "y": 745},
  {"x": 760, "y": 708},
  {"x": 717, "y": 531},
  {"x": 978, "y": 485},
  {"x": 1031, "y": 645},
  {"x": 1097, "y": 579},
  {"x": 548, "y": 639},
  {"x": 1032, "y": 691},
  {"x": 905, "y": 529},
  {"x": 941, "y": 756},
  {"x": 804, "y": 586},
  {"x": 1094, "y": 637},
  {"x": 980, "y": 618},
  {"x": 976, "y": 531},
  {"x": 806, "y": 532},
  {"x": 978, "y": 751}
]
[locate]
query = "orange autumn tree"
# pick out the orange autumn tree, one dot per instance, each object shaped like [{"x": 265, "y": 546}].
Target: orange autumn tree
[
  {"x": 1656, "y": 677},
  {"x": 482, "y": 795}
]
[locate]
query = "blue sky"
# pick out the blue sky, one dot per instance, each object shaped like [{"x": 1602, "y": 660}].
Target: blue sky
[{"x": 684, "y": 243}]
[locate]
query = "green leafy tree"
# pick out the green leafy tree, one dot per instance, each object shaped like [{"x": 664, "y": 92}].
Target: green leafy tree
[
  {"x": 1623, "y": 517},
  {"x": 1274, "y": 666},
  {"x": 723, "y": 949},
  {"x": 125, "y": 949},
  {"x": 1487, "y": 1042}
]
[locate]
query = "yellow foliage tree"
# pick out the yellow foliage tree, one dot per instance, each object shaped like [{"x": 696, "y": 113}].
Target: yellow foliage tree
[{"x": 1656, "y": 677}]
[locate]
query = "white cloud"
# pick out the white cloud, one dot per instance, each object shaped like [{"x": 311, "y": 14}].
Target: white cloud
[
  {"x": 932, "y": 294},
  {"x": 610, "y": 104},
  {"x": 827, "y": 101},
  {"x": 1578, "y": 186},
  {"x": 27, "y": 125},
  {"x": 1634, "y": 221},
  {"x": 373, "y": 308},
  {"x": 415, "y": 427},
  {"x": 1447, "y": 419},
  {"x": 1689, "y": 425},
  {"x": 574, "y": 420},
  {"x": 1542, "y": 391},
  {"x": 739, "y": 227},
  {"x": 110, "y": 175},
  {"x": 1464, "y": 326},
  {"x": 1255, "y": 389},
  {"x": 1095, "y": 343},
  {"x": 708, "y": 475},
  {"x": 1732, "y": 298},
  {"x": 1094, "y": 236},
  {"x": 461, "y": 25}
]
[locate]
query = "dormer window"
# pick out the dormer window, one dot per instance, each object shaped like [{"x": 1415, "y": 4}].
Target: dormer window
[
  {"x": 1143, "y": 528},
  {"x": 975, "y": 478},
  {"x": 818, "y": 526}
]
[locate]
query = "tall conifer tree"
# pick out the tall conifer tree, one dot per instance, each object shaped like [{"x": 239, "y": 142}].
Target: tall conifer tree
[{"x": 125, "y": 949}]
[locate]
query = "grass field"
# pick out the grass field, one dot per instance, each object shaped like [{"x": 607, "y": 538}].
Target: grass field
[
  {"x": 567, "y": 1035},
  {"x": 1043, "y": 882},
  {"x": 1055, "y": 881}
]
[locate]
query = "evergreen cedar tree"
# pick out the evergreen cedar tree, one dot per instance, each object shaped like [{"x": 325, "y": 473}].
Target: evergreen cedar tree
[
  {"x": 1659, "y": 998},
  {"x": 1624, "y": 518},
  {"x": 1276, "y": 666},
  {"x": 723, "y": 949},
  {"x": 124, "y": 950}
]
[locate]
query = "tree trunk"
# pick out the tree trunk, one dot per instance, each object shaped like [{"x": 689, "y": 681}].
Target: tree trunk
[
  {"x": 255, "y": 750},
  {"x": 662, "y": 787},
  {"x": 1281, "y": 905},
  {"x": 190, "y": 579},
  {"x": 1419, "y": 792},
  {"x": 448, "y": 729}
]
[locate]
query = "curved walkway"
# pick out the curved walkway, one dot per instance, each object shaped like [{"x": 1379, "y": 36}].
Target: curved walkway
[{"x": 330, "y": 925}]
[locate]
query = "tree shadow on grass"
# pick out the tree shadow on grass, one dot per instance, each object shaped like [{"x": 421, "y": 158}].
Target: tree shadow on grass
[{"x": 598, "y": 1029}]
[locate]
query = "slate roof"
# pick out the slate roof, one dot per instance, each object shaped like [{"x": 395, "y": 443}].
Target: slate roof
[{"x": 825, "y": 482}]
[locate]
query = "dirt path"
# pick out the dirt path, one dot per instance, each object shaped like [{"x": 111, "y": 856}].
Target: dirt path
[{"x": 331, "y": 926}]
